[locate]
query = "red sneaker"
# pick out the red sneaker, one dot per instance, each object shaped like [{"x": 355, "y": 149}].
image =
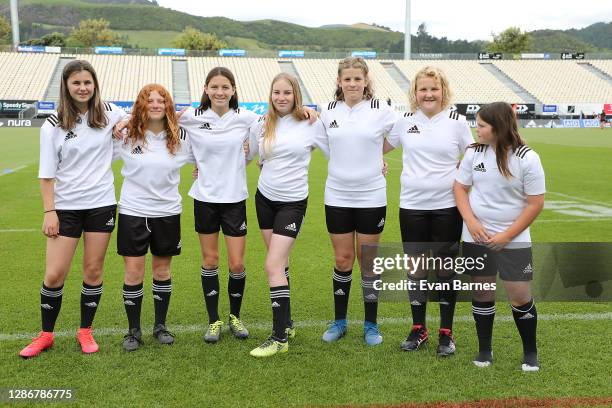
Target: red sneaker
[
  {"x": 39, "y": 344},
  {"x": 86, "y": 340}
]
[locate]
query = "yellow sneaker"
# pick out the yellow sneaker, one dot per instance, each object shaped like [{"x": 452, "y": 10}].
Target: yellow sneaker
[{"x": 269, "y": 348}]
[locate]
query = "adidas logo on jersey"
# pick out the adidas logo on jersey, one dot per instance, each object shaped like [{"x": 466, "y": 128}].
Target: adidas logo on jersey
[
  {"x": 212, "y": 293},
  {"x": 91, "y": 304},
  {"x": 111, "y": 222},
  {"x": 137, "y": 150},
  {"x": 157, "y": 297},
  {"x": 480, "y": 167},
  {"x": 291, "y": 227},
  {"x": 526, "y": 316},
  {"x": 381, "y": 223},
  {"x": 414, "y": 129},
  {"x": 275, "y": 304},
  {"x": 70, "y": 135},
  {"x": 243, "y": 226},
  {"x": 46, "y": 306},
  {"x": 236, "y": 295},
  {"x": 528, "y": 269},
  {"x": 129, "y": 303},
  {"x": 339, "y": 292},
  {"x": 334, "y": 125},
  {"x": 205, "y": 126}
]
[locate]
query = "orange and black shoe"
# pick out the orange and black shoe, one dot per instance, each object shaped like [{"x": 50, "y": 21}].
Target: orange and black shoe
[
  {"x": 86, "y": 340},
  {"x": 418, "y": 335},
  {"x": 43, "y": 342}
]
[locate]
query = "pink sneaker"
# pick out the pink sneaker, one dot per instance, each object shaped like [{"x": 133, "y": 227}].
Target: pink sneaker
[
  {"x": 86, "y": 340},
  {"x": 39, "y": 344}
]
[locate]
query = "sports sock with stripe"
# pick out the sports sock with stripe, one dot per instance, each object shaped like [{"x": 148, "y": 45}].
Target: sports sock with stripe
[
  {"x": 210, "y": 288},
  {"x": 526, "y": 320},
  {"x": 447, "y": 300},
  {"x": 90, "y": 299},
  {"x": 132, "y": 302},
  {"x": 235, "y": 291},
  {"x": 289, "y": 319},
  {"x": 484, "y": 314},
  {"x": 50, "y": 305},
  {"x": 342, "y": 289},
  {"x": 370, "y": 299},
  {"x": 418, "y": 301},
  {"x": 279, "y": 299},
  {"x": 162, "y": 290}
]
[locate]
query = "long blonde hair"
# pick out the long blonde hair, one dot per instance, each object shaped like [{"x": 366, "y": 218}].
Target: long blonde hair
[
  {"x": 437, "y": 75},
  {"x": 354, "y": 62},
  {"x": 269, "y": 127}
]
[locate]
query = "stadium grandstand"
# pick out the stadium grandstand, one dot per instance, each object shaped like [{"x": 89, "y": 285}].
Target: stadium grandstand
[{"x": 31, "y": 76}]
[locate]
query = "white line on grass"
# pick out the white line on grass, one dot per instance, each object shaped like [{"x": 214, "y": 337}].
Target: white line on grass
[
  {"x": 575, "y": 220},
  {"x": 580, "y": 199},
  {"x": 391, "y": 321},
  {"x": 9, "y": 171},
  {"x": 19, "y": 230}
]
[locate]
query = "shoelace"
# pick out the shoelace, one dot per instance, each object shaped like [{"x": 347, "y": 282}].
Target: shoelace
[
  {"x": 267, "y": 343},
  {"x": 87, "y": 337},
  {"x": 417, "y": 333},
  {"x": 372, "y": 330},
  {"x": 38, "y": 340},
  {"x": 216, "y": 326},
  {"x": 237, "y": 323}
]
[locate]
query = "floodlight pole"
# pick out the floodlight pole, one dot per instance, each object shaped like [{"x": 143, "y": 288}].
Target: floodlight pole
[
  {"x": 15, "y": 22},
  {"x": 407, "y": 37}
]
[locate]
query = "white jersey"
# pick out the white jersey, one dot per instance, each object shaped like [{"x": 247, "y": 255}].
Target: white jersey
[
  {"x": 151, "y": 175},
  {"x": 284, "y": 175},
  {"x": 217, "y": 144},
  {"x": 432, "y": 149},
  {"x": 79, "y": 160},
  {"x": 495, "y": 200},
  {"x": 356, "y": 136}
]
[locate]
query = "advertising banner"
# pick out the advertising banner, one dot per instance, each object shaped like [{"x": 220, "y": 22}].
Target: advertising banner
[{"x": 108, "y": 50}]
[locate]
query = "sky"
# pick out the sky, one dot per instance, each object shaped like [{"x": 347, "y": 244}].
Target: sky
[{"x": 470, "y": 20}]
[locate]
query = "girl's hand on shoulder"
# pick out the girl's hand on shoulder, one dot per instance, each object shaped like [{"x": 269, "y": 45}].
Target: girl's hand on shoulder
[
  {"x": 195, "y": 173},
  {"x": 310, "y": 114},
  {"x": 120, "y": 129}
]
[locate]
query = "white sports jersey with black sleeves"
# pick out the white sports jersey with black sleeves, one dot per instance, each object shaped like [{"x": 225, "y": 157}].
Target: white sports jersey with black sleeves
[
  {"x": 79, "y": 160},
  {"x": 495, "y": 200},
  {"x": 356, "y": 136},
  {"x": 431, "y": 150},
  {"x": 151, "y": 175},
  {"x": 217, "y": 144},
  {"x": 284, "y": 175}
]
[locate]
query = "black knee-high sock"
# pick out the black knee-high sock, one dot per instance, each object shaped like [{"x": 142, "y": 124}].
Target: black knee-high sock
[
  {"x": 342, "y": 289},
  {"x": 235, "y": 291},
  {"x": 526, "y": 319},
  {"x": 132, "y": 301},
  {"x": 210, "y": 288},
  {"x": 289, "y": 319},
  {"x": 50, "y": 305},
  {"x": 279, "y": 299},
  {"x": 162, "y": 290},
  {"x": 447, "y": 301},
  {"x": 370, "y": 299},
  {"x": 418, "y": 301},
  {"x": 484, "y": 314},
  {"x": 90, "y": 299}
]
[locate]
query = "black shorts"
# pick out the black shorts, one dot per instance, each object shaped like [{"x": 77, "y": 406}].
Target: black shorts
[
  {"x": 438, "y": 231},
  {"x": 72, "y": 223},
  {"x": 514, "y": 265},
  {"x": 342, "y": 220},
  {"x": 136, "y": 234},
  {"x": 283, "y": 218},
  {"x": 210, "y": 218}
]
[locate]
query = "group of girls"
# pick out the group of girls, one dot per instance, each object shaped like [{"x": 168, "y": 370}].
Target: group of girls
[{"x": 496, "y": 194}]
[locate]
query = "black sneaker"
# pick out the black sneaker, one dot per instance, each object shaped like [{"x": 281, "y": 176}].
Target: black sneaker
[
  {"x": 162, "y": 334},
  {"x": 530, "y": 362},
  {"x": 446, "y": 343},
  {"x": 133, "y": 340},
  {"x": 484, "y": 358},
  {"x": 418, "y": 335}
]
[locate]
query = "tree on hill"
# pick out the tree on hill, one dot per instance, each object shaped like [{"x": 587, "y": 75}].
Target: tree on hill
[
  {"x": 91, "y": 33},
  {"x": 194, "y": 39},
  {"x": 5, "y": 31},
  {"x": 53, "y": 39},
  {"x": 512, "y": 41}
]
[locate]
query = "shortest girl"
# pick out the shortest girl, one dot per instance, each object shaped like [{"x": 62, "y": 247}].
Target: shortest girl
[{"x": 500, "y": 191}]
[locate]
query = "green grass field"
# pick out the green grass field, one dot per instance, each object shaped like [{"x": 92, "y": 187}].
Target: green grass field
[{"x": 573, "y": 337}]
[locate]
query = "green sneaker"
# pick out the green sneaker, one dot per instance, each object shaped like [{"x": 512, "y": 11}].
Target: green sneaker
[
  {"x": 269, "y": 348},
  {"x": 291, "y": 332},
  {"x": 213, "y": 333},
  {"x": 237, "y": 328}
]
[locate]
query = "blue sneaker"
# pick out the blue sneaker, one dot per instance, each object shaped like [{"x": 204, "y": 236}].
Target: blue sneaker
[
  {"x": 371, "y": 334},
  {"x": 335, "y": 331}
]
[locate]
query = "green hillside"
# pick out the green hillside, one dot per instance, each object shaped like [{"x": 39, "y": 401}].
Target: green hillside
[{"x": 147, "y": 25}]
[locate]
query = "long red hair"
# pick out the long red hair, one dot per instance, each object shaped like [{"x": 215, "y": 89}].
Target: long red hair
[{"x": 140, "y": 118}]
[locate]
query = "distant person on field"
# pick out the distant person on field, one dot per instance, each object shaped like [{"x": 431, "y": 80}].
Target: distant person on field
[
  {"x": 500, "y": 192},
  {"x": 602, "y": 119},
  {"x": 77, "y": 187}
]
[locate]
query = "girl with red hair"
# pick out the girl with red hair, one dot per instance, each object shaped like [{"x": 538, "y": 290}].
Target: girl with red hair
[{"x": 153, "y": 152}]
